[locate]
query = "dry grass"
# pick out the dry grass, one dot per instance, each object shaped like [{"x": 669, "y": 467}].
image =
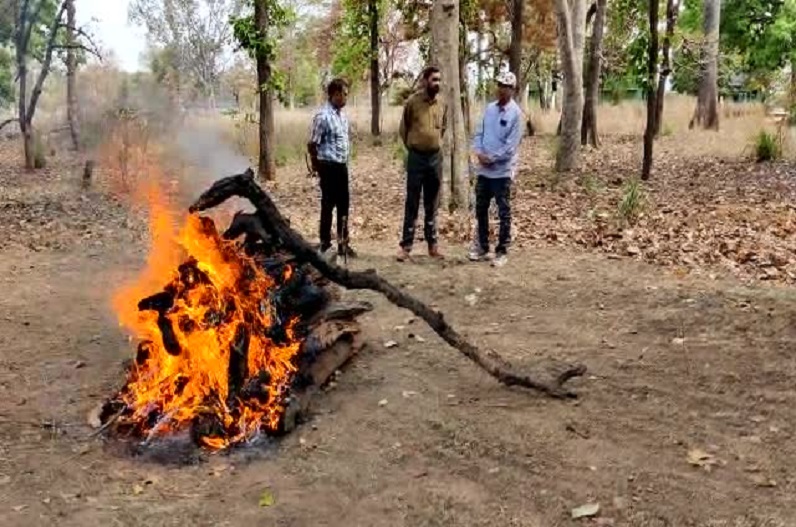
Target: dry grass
[{"x": 740, "y": 123}]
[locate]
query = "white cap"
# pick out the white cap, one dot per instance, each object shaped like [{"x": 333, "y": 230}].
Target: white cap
[{"x": 507, "y": 78}]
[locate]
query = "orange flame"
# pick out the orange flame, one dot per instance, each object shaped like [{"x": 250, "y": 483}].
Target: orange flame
[{"x": 219, "y": 299}]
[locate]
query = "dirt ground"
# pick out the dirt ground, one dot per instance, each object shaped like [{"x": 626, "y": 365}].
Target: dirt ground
[{"x": 677, "y": 366}]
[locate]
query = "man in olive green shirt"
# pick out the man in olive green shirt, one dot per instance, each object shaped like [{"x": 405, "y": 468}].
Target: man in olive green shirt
[{"x": 422, "y": 127}]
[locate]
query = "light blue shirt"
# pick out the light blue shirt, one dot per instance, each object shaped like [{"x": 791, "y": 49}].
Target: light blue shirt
[
  {"x": 330, "y": 133},
  {"x": 498, "y": 137}
]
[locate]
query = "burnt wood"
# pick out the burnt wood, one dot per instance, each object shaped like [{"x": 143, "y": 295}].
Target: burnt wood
[{"x": 244, "y": 186}]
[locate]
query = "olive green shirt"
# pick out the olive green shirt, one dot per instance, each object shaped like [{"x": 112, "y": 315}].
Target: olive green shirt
[{"x": 423, "y": 122}]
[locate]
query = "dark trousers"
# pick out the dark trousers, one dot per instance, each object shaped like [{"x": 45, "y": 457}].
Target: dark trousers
[
  {"x": 334, "y": 195},
  {"x": 423, "y": 176},
  {"x": 485, "y": 190}
]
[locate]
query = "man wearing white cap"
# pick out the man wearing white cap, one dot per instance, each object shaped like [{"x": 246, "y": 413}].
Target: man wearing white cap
[{"x": 496, "y": 147}]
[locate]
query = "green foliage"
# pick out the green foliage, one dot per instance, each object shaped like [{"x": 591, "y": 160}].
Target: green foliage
[
  {"x": 264, "y": 43},
  {"x": 633, "y": 200},
  {"x": 6, "y": 78},
  {"x": 686, "y": 71},
  {"x": 767, "y": 147},
  {"x": 625, "y": 47},
  {"x": 400, "y": 94},
  {"x": 758, "y": 38},
  {"x": 352, "y": 42},
  {"x": 764, "y": 31}
]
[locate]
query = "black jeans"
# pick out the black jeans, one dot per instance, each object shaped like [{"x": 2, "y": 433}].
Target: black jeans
[
  {"x": 334, "y": 195},
  {"x": 485, "y": 190},
  {"x": 423, "y": 175}
]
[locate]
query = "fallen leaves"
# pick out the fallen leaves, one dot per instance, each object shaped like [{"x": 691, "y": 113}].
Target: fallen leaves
[
  {"x": 585, "y": 511},
  {"x": 762, "y": 481},
  {"x": 702, "y": 459},
  {"x": 267, "y": 498},
  {"x": 699, "y": 215}
]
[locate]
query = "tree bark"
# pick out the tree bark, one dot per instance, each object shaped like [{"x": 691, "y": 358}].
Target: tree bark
[
  {"x": 26, "y": 20},
  {"x": 588, "y": 133},
  {"x": 445, "y": 46},
  {"x": 515, "y": 47},
  {"x": 71, "y": 74},
  {"x": 243, "y": 185},
  {"x": 266, "y": 167},
  {"x": 571, "y": 20},
  {"x": 792, "y": 91},
  {"x": 652, "y": 71},
  {"x": 463, "y": 84},
  {"x": 21, "y": 38},
  {"x": 375, "y": 88},
  {"x": 706, "y": 114},
  {"x": 672, "y": 12}
]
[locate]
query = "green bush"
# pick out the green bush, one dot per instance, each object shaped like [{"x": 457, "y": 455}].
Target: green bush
[
  {"x": 767, "y": 147},
  {"x": 633, "y": 200}
]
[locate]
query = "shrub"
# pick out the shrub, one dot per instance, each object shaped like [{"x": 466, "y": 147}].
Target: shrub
[
  {"x": 767, "y": 147},
  {"x": 633, "y": 200}
]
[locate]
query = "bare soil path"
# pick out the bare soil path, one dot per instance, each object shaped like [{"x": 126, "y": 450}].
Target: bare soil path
[{"x": 677, "y": 365}]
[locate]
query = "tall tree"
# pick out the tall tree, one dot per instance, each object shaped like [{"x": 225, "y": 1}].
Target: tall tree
[
  {"x": 71, "y": 74},
  {"x": 672, "y": 12},
  {"x": 571, "y": 21},
  {"x": 588, "y": 133},
  {"x": 517, "y": 34},
  {"x": 651, "y": 89},
  {"x": 41, "y": 19},
  {"x": 375, "y": 88},
  {"x": 196, "y": 31},
  {"x": 257, "y": 33},
  {"x": 707, "y": 109},
  {"x": 445, "y": 53}
]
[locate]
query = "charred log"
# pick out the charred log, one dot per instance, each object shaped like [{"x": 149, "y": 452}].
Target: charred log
[
  {"x": 238, "y": 363},
  {"x": 244, "y": 185},
  {"x": 333, "y": 358},
  {"x": 170, "y": 341}
]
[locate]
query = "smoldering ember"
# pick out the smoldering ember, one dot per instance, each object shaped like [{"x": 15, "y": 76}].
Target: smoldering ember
[{"x": 249, "y": 328}]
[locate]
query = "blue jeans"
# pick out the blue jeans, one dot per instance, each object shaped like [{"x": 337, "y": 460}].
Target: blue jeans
[{"x": 500, "y": 189}]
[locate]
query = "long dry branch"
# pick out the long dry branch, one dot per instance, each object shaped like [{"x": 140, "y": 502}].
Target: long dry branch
[{"x": 244, "y": 185}]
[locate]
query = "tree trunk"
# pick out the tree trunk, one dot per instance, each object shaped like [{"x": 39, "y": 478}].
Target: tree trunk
[
  {"x": 571, "y": 20},
  {"x": 515, "y": 47},
  {"x": 481, "y": 67},
  {"x": 652, "y": 70},
  {"x": 266, "y": 166},
  {"x": 71, "y": 72},
  {"x": 464, "y": 87},
  {"x": 792, "y": 93},
  {"x": 707, "y": 110},
  {"x": 445, "y": 44},
  {"x": 20, "y": 46},
  {"x": 588, "y": 133},
  {"x": 672, "y": 12},
  {"x": 375, "y": 89}
]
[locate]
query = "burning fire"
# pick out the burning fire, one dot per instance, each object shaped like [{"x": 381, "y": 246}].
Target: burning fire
[{"x": 217, "y": 355}]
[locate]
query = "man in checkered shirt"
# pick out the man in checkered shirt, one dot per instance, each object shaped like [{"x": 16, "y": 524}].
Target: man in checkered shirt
[{"x": 329, "y": 149}]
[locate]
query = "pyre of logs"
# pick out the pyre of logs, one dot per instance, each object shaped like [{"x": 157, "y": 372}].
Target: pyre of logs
[
  {"x": 269, "y": 220},
  {"x": 327, "y": 330}
]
